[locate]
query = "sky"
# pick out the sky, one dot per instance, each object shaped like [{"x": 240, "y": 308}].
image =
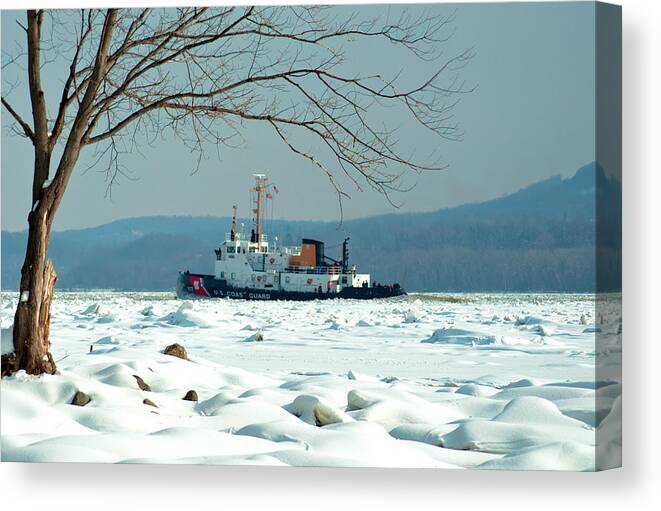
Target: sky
[{"x": 531, "y": 116}]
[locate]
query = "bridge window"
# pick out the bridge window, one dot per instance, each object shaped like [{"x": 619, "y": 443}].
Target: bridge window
[{"x": 230, "y": 250}]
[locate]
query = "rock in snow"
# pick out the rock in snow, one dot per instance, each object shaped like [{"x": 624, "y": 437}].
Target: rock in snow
[
  {"x": 80, "y": 399},
  {"x": 191, "y": 395},
  {"x": 256, "y": 337},
  {"x": 176, "y": 350},
  {"x": 149, "y": 402},
  {"x": 141, "y": 383}
]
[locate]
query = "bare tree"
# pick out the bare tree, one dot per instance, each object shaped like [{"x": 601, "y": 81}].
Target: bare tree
[{"x": 203, "y": 73}]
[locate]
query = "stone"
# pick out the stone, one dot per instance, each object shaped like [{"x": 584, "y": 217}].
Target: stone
[
  {"x": 141, "y": 383},
  {"x": 149, "y": 402},
  {"x": 80, "y": 399},
  {"x": 256, "y": 337},
  {"x": 191, "y": 395},
  {"x": 8, "y": 362},
  {"x": 176, "y": 350}
]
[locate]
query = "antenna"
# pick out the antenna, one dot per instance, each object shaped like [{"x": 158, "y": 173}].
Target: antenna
[
  {"x": 345, "y": 255},
  {"x": 260, "y": 188}
]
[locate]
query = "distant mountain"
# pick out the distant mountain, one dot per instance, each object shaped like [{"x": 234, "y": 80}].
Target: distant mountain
[{"x": 541, "y": 238}]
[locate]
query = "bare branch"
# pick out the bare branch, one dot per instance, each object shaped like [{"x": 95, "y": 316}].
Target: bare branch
[
  {"x": 201, "y": 73},
  {"x": 26, "y": 127}
]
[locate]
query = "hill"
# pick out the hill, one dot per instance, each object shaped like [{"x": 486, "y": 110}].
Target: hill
[{"x": 540, "y": 238}]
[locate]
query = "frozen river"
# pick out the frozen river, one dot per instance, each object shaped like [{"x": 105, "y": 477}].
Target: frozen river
[{"x": 496, "y": 380}]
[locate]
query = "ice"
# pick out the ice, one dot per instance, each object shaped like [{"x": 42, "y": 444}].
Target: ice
[
  {"x": 452, "y": 335},
  {"x": 419, "y": 381}
]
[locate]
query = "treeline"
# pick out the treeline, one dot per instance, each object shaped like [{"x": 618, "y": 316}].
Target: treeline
[{"x": 542, "y": 238}]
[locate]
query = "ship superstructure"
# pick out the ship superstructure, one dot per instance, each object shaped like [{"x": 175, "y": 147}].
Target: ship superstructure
[{"x": 249, "y": 266}]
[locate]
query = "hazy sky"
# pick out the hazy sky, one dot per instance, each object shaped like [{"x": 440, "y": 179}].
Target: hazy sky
[{"x": 532, "y": 116}]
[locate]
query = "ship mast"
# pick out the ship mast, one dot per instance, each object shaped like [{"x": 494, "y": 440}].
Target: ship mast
[
  {"x": 233, "y": 233},
  {"x": 260, "y": 187}
]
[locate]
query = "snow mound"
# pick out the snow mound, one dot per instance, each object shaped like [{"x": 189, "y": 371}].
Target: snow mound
[
  {"x": 95, "y": 309},
  {"x": 472, "y": 389},
  {"x": 523, "y": 423},
  {"x": 529, "y": 320},
  {"x": 353, "y": 375},
  {"x": 392, "y": 407},
  {"x": 413, "y": 316},
  {"x": 213, "y": 405},
  {"x": 523, "y": 382},
  {"x": 425, "y": 433},
  {"x": 108, "y": 339},
  {"x": 550, "y": 392},
  {"x": 30, "y": 414},
  {"x": 316, "y": 411},
  {"x": 186, "y": 316},
  {"x": 535, "y": 410},
  {"x": 451, "y": 335},
  {"x": 106, "y": 318},
  {"x": 333, "y": 324},
  {"x": 504, "y": 437},
  {"x": 553, "y": 456},
  {"x": 543, "y": 330},
  {"x": 345, "y": 444}
]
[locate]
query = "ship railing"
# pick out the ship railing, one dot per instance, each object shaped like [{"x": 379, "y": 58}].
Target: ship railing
[
  {"x": 315, "y": 270},
  {"x": 239, "y": 236}
]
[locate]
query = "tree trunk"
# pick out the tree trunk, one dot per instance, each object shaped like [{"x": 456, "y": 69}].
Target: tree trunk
[{"x": 32, "y": 318}]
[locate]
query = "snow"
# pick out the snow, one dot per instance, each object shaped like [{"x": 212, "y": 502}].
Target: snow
[{"x": 419, "y": 381}]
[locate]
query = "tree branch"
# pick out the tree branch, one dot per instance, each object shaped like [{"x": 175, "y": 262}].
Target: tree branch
[{"x": 26, "y": 127}]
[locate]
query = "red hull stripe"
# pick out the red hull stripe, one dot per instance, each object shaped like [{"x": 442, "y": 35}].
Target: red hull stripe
[{"x": 198, "y": 287}]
